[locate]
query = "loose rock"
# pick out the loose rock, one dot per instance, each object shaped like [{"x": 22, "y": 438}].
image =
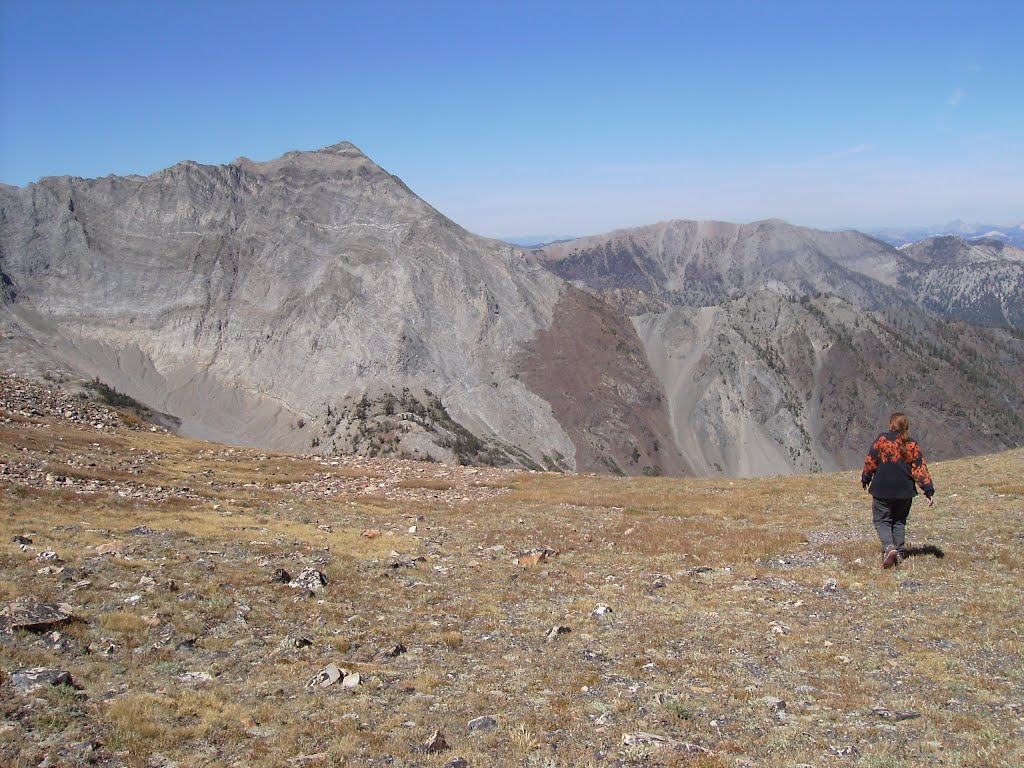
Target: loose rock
[
  {"x": 895, "y": 716},
  {"x": 115, "y": 548},
  {"x": 777, "y": 707},
  {"x": 31, "y": 614},
  {"x": 196, "y": 677},
  {"x": 309, "y": 579},
  {"x": 653, "y": 739},
  {"x": 41, "y": 677},
  {"x": 482, "y": 724},
  {"x": 557, "y": 630},
  {"x": 328, "y": 677}
]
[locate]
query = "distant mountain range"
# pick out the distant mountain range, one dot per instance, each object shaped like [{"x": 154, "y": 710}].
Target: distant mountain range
[
  {"x": 1013, "y": 234},
  {"x": 534, "y": 241},
  {"x": 314, "y": 302}
]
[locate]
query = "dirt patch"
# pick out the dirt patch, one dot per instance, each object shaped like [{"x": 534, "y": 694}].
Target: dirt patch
[{"x": 591, "y": 367}]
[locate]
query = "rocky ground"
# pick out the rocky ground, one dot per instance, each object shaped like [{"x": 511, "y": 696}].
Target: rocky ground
[{"x": 175, "y": 603}]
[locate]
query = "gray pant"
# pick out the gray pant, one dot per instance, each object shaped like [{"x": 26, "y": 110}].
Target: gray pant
[{"x": 890, "y": 518}]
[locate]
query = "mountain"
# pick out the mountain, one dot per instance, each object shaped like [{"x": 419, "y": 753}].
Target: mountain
[
  {"x": 703, "y": 263},
  {"x": 309, "y": 301},
  {"x": 315, "y": 303},
  {"x": 981, "y": 281},
  {"x": 1011, "y": 234},
  {"x": 782, "y": 348}
]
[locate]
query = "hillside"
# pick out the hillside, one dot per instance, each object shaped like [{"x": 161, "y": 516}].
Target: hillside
[
  {"x": 486, "y": 617},
  {"x": 315, "y": 303},
  {"x": 980, "y": 281},
  {"x": 259, "y": 303},
  {"x": 781, "y": 349}
]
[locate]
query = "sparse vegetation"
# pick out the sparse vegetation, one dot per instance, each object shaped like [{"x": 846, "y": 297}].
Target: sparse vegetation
[
  {"x": 722, "y": 593},
  {"x": 113, "y": 398},
  {"x": 386, "y": 425}
]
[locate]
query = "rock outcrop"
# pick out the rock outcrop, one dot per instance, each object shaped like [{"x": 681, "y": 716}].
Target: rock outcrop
[{"x": 250, "y": 300}]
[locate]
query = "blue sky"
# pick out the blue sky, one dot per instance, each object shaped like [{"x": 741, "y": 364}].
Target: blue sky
[{"x": 545, "y": 117}]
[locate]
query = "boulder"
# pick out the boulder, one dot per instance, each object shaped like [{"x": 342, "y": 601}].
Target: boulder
[{"x": 41, "y": 677}]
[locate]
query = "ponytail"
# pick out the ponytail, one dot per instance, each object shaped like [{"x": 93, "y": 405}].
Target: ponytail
[{"x": 900, "y": 424}]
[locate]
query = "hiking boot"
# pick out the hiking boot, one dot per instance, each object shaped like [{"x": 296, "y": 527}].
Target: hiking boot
[
  {"x": 900, "y": 556},
  {"x": 891, "y": 556}
]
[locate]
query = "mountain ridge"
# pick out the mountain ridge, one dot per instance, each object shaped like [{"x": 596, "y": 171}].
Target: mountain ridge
[
  {"x": 313, "y": 301},
  {"x": 173, "y": 258}
]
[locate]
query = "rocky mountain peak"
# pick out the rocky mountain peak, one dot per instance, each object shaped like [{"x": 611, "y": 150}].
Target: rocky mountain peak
[
  {"x": 343, "y": 160},
  {"x": 341, "y": 148}
]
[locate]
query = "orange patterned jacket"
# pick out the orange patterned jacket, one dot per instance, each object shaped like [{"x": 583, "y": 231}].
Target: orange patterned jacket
[{"x": 895, "y": 468}]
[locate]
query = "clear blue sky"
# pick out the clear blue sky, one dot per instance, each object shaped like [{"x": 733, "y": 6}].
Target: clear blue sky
[{"x": 545, "y": 117}]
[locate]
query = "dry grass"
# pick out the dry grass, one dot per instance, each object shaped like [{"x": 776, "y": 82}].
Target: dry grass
[{"x": 717, "y": 589}]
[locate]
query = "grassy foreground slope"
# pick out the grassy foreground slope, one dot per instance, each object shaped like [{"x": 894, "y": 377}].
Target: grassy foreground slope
[{"x": 749, "y": 622}]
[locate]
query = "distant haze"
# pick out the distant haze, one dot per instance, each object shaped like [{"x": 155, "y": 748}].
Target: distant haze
[
  {"x": 545, "y": 117},
  {"x": 533, "y": 240}
]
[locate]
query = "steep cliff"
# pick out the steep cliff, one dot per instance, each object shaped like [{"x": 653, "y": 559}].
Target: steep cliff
[{"x": 250, "y": 299}]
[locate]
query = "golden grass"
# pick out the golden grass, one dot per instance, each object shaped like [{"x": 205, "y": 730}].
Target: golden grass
[
  {"x": 681, "y": 650},
  {"x": 123, "y": 622}
]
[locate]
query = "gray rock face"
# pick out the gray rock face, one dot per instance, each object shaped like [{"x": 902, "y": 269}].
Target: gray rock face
[
  {"x": 782, "y": 349},
  {"x": 765, "y": 384},
  {"x": 248, "y": 299},
  {"x": 703, "y": 263}
]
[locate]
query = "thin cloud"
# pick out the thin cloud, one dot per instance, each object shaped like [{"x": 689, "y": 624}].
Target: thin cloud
[
  {"x": 952, "y": 103},
  {"x": 855, "y": 150},
  {"x": 993, "y": 137}
]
